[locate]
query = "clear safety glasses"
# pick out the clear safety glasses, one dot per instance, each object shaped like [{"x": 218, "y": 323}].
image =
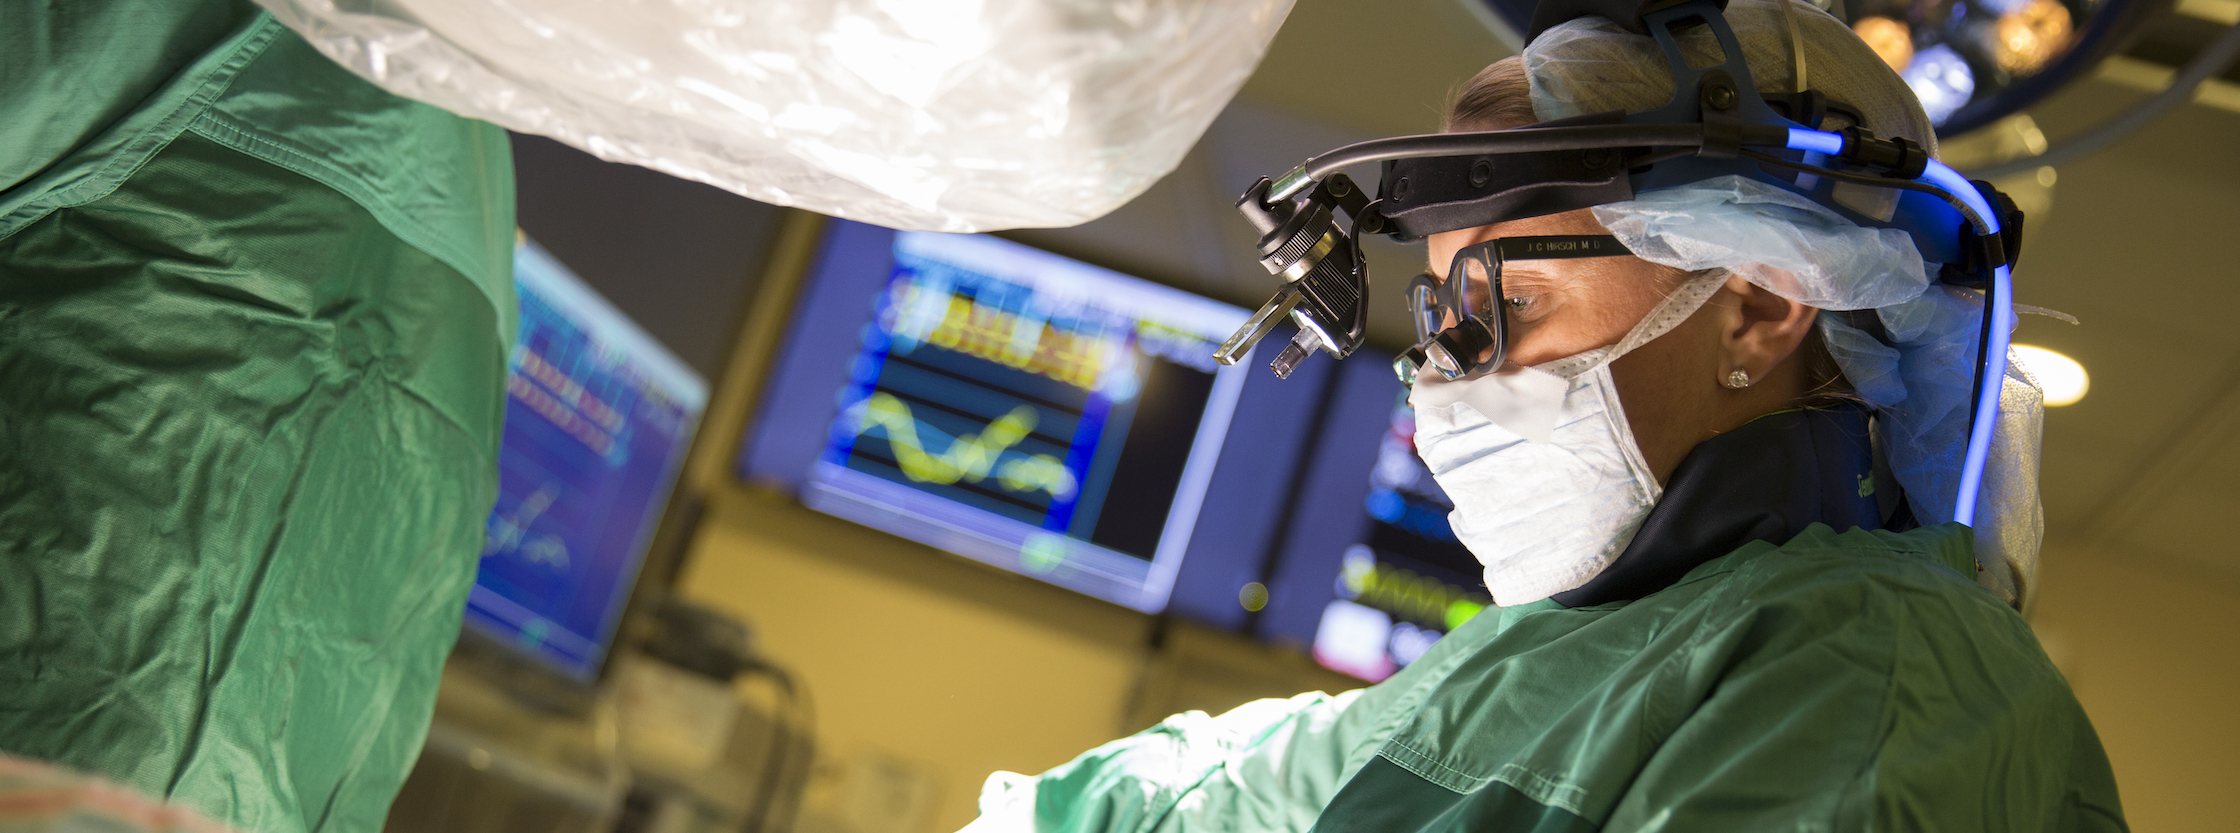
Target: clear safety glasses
[{"x": 1462, "y": 323}]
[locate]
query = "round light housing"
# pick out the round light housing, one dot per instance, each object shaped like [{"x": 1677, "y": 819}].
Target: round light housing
[{"x": 2064, "y": 379}]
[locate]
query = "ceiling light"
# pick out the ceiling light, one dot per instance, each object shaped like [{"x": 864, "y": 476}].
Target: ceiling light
[{"x": 2063, "y": 378}]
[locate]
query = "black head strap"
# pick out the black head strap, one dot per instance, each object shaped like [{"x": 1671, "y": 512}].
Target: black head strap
[{"x": 1425, "y": 196}]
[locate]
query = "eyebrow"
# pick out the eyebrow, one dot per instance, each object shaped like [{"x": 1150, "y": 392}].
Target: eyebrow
[
  {"x": 1514, "y": 279},
  {"x": 1527, "y": 273},
  {"x": 1510, "y": 283}
]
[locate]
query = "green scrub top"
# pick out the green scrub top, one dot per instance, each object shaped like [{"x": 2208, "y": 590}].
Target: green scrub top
[
  {"x": 1853, "y": 681},
  {"x": 254, "y": 323}
]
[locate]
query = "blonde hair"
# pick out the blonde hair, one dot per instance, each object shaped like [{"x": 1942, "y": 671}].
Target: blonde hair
[{"x": 1498, "y": 96}]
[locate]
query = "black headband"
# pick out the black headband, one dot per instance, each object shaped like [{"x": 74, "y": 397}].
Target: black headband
[{"x": 1424, "y": 196}]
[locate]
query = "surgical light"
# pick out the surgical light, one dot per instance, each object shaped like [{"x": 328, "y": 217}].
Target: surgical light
[
  {"x": 2063, "y": 378},
  {"x": 1941, "y": 78},
  {"x": 1890, "y": 39}
]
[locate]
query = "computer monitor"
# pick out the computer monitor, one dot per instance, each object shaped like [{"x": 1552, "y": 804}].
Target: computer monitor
[
  {"x": 598, "y": 419},
  {"x": 1369, "y": 574},
  {"x": 1031, "y": 412}
]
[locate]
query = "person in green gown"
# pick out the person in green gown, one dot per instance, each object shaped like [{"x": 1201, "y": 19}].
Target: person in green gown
[
  {"x": 1715, "y": 521},
  {"x": 254, "y": 323}
]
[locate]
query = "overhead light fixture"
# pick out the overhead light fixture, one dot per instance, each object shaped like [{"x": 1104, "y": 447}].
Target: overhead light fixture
[
  {"x": 2064, "y": 379},
  {"x": 1890, "y": 39}
]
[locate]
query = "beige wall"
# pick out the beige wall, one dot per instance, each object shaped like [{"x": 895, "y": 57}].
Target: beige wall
[
  {"x": 958, "y": 670},
  {"x": 916, "y": 655},
  {"x": 2152, "y": 647}
]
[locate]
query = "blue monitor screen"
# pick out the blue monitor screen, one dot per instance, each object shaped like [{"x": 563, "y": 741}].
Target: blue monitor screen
[
  {"x": 598, "y": 417},
  {"x": 1028, "y": 411},
  {"x": 1370, "y": 575}
]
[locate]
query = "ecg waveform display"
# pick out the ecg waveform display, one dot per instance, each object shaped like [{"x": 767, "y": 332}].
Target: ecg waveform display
[
  {"x": 597, "y": 418},
  {"x": 968, "y": 457},
  {"x": 1044, "y": 425},
  {"x": 977, "y": 390}
]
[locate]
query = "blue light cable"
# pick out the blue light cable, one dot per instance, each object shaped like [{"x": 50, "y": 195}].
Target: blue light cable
[{"x": 2001, "y": 311}]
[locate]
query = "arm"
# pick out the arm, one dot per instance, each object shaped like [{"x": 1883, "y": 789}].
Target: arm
[
  {"x": 1272, "y": 763},
  {"x": 1269, "y": 765}
]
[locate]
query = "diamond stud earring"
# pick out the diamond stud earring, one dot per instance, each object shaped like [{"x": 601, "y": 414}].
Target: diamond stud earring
[{"x": 1740, "y": 378}]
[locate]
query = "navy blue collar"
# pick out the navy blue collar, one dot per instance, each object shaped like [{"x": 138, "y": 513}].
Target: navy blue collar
[{"x": 1764, "y": 481}]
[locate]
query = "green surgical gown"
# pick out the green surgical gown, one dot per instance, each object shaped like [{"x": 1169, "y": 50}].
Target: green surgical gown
[
  {"x": 254, "y": 318},
  {"x": 1853, "y": 681}
]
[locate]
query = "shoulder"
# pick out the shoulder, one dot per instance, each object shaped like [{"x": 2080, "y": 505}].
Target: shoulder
[
  {"x": 73, "y": 70},
  {"x": 1925, "y": 577},
  {"x": 93, "y": 89},
  {"x": 1899, "y": 611},
  {"x": 1945, "y": 659},
  {"x": 125, "y": 80},
  {"x": 1921, "y": 687}
]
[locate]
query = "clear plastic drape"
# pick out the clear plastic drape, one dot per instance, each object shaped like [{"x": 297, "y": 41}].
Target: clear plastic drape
[{"x": 949, "y": 115}]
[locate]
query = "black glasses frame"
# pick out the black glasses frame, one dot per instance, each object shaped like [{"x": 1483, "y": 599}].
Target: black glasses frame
[{"x": 1460, "y": 350}]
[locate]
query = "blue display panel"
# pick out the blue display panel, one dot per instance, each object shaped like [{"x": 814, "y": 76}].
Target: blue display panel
[
  {"x": 598, "y": 418},
  {"x": 1031, "y": 412},
  {"x": 1370, "y": 576}
]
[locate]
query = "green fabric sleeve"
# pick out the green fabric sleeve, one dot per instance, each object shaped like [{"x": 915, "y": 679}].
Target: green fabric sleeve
[
  {"x": 247, "y": 447},
  {"x": 1265, "y": 765},
  {"x": 440, "y": 183},
  {"x": 1270, "y": 765}
]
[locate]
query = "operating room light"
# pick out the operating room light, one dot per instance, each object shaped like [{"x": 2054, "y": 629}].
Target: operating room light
[{"x": 2064, "y": 379}]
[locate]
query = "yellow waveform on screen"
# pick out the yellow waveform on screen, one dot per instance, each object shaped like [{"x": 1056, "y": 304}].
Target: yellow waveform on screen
[
  {"x": 971, "y": 457},
  {"x": 1026, "y": 342}
]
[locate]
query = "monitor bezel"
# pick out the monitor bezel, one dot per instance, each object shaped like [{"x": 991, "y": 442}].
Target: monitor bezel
[{"x": 523, "y": 672}]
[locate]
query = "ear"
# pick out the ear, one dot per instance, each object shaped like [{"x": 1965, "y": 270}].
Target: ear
[{"x": 1763, "y": 329}]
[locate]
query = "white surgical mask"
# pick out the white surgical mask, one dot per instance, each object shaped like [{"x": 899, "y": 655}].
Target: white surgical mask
[{"x": 1547, "y": 482}]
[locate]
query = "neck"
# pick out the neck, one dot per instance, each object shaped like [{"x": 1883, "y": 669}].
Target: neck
[{"x": 1764, "y": 481}]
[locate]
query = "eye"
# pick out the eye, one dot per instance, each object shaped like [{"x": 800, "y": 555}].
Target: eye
[{"x": 1523, "y": 310}]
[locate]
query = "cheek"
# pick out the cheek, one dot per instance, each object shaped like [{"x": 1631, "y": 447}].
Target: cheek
[
  {"x": 1669, "y": 390},
  {"x": 1668, "y": 370}
]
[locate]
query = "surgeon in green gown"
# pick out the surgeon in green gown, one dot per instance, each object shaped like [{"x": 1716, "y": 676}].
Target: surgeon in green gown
[
  {"x": 254, "y": 317},
  {"x": 1728, "y": 594}
]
